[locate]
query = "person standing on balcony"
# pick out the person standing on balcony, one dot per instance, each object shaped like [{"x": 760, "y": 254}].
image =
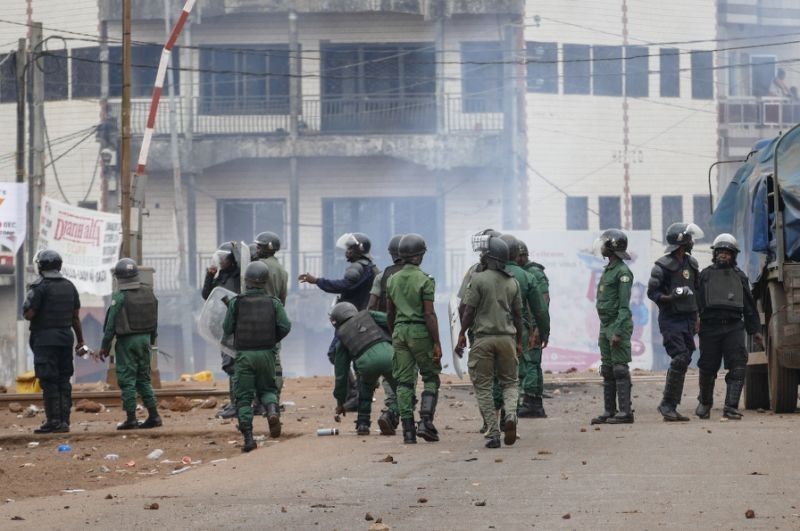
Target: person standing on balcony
[
  {"x": 778, "y": 88},
  {"x": 224, "y": 272}
]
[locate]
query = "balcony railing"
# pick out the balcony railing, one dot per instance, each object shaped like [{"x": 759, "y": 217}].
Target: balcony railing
[
  {"x": 319, "y": 116},
  {"x": 759, "y": 112}
]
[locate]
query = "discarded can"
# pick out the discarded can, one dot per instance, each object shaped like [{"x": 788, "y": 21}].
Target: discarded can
[
  {"x": 155, "y": 454},
  {"x": 186, "y": 460},
  {"x": 328, "y": 431},
  {"x": 111, "y": 457},
  {"x": 33, "y": 444},
  {"x": 64, "y": 448}
]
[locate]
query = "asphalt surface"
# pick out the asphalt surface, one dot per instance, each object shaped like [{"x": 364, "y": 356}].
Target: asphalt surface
[{"x": 562, "y": 473}]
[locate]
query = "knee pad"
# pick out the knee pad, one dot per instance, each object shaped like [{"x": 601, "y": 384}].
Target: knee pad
[
  {"x": 681, "y": 362},
  {"x": 621, "y": 371},
  {"x": 736, "y": 373}
]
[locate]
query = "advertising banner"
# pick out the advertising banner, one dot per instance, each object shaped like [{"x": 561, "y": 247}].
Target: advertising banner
[
  {"x": 88, "y": 242},
  {"x": 13, "y": 213}
]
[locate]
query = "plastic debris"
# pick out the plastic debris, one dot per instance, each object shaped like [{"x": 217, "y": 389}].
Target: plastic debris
[
  {"x": 33, "y": 444},
  {"x": 111, "y": 457},
  {"x": 178, "y": 471},
  {"x": 155, "y": 454},
  {"x": 63, "y": 448}
]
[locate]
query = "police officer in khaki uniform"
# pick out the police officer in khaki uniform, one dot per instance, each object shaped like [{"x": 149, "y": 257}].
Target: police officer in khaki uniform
[
  {"x": 493, "y": 312},
  {"x": 616, "y": 327},
  {"x": 377, "y": 295},
  {"x": 415, "y": 339}
]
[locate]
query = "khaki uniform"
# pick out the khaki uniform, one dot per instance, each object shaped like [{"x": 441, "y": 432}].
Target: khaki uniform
[
  {"x": 613, "y": 307},
  {"x": 495, "y": 296}
]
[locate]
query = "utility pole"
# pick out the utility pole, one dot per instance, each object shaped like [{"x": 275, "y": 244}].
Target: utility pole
[
  {"x": 439, "y": 16},
  {"x": 513, "y": 96},
  {"x": 125, "y": 146},
  {"x": 19, "y": 261},
  {"x": 36, "y": 180},
  {"x": 294, "y": 113}
]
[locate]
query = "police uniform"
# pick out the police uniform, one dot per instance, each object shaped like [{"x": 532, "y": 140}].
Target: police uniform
[
  {"x": 356, "y": 284},
  {"x": 54, "y": 300},
  {"x": 277, "y": 286},
  {"x": 535, "y": 372},
  {"x": 364, "y": 342},
  {"x": 413, "y": 345},
  {"x": 380, "y": 282},
  {"x": 230, "y": 279},
  {"x": 727, "y": 310},
  {"x": 495, "y": 296},
  {"x": 258, "y": 322},
  {"x": 613, "y": 308}
]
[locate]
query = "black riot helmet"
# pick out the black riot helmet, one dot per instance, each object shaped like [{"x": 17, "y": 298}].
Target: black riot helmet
[
  {"x": 614, "y": 242},
  {"x": 341, "y": 313},
  {"x": 513, "y": 246},
  {"x": 480, "y": 239},
  {"x": 256, "y": 274},
  {"x": 682, "y": 235},
  {"x": 268, "y": 241},
  {"x": 126, "y": 268},
  {"x": 358, "y": 242},
  {"x": 726, "y": 242},
  {"x": 411, "y": 245},
  {"x": 394, "y": 247},
  {"x": 497, "y": 252},
  {"x": 523, "y": 249},
  {"x": 225, "y": 251},
  {"x": 48, "y": 260}
]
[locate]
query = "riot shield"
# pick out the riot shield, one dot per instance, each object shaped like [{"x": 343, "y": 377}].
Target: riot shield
[
  {"x": 455, "y": 329},
  {"x": 243, "y": 257},
  {"x": 212, "y": 315}
]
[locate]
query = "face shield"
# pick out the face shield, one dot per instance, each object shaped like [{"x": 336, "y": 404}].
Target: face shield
[
  {"x": 695, "y": 232},
  {"x": 480, "y": 242},
  {"x": 219, "y": 257},
  {"x": 346, "y": 241}
]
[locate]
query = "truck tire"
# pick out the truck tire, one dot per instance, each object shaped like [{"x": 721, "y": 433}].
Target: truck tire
[
  {"x": 782, "y": 381},
  {"x": 756, "y": 387}
]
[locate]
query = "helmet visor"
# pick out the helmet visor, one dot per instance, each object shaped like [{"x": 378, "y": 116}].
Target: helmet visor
[
  {"x": 219, "y": 257},
  {"x": 346, "y": 241},
  {"x": 695, "y": 232},
  {"x": 480, "y": 242}
]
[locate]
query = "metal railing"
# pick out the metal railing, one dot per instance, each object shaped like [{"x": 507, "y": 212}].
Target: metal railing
[{"x": 759, "y": 112}]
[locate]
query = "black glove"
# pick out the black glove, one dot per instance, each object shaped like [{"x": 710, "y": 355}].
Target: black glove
[{"x": 682, "y": 292}]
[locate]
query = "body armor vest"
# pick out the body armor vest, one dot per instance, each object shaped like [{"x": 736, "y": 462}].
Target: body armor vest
[
  {"x": 388, "y": 272},
  {"x": 358, "y": 296},
  {"x": 724, "y": 290},
  {"x": 58, "y": 305},
  {"x": 256, "y": 326},
  {"x": 681, "y": 275},
  {"x": 359, "y": 333},
  {"x": 139, "y": 313}
]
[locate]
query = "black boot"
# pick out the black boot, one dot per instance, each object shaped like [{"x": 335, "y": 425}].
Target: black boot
[
  {"x": 153, "y": 419},
  {"x": 230, "y": 410},
  {"x": 526, "y": 409},
  {"x": 64, "y": 410},
  {"x": 258, "y": 408},
  {"x": 735, "y": 383},
  {"x": 609, "y": 395},
  {"x": 409, "y": 431},
  {"x": 502, "y": 419},
  {"x": 427, "y": 408},
  {"x": 493, "y": 442},
  {"x": 52, "y": 413},
  {"x": 538, "y": 408},
  {"x": 362, "y": 427},
  {"x": 130, "y": 423},
  {"x": 387, "y": 422},
  {"x": 623, "y": 380},
  {"x": 705, "y": 399},
  {"x": 249, "y": 443},
  {"x": 510, "y": 430},
  {"x": 274, "y": 420},
  {"x": 673, "y": 390}
]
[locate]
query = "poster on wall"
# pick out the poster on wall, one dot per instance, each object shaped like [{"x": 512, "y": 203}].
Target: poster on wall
[
  {"x": 574, "y": 271},
  {"x": 13, "y": 223},
  {"x": 88, "y": 242}
]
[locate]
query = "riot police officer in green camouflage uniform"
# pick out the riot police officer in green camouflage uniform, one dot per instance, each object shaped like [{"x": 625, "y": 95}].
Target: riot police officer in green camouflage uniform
[
  {"x": 493, "y": 311},
  {"x": 616, "y": 327},
  {"x": 364, "y": 341},
  {"x": 133, "y": 319},
  {"x": 377, "y": 295},
  {"x": 257, "y": 322},
  {"x": 533, "y": 381},
  {"x": 415, "y": 339}
]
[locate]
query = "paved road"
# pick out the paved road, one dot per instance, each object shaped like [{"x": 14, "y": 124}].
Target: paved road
[{"x": 563, "y": 473}]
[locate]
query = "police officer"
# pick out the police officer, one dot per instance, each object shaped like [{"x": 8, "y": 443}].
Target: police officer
[
  {"x": 364, "y": 341},
  {"x": 534, "y": 408},
  {"x": 616, "y": 327},
  {"x": 377, "y": 295},
  {"x": 52, "y": 305},
  {"x": 415, "y": 338},
  {"x": 536, "y": 323},
  {"x": 133, "y": 319},
  {"x": 727, "y": 309},
  {"x": 478, "y": 239},
  {"x": 493, "y": 311},
  {"x": 225, "y": 273},
  {"x": 672, "y": 286},
  {"x": 257, "y": 322}
]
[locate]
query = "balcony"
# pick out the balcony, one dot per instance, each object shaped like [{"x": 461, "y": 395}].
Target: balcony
[{"x": 758, "y": 113}]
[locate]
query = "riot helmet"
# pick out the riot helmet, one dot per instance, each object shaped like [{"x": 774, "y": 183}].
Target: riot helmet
[
  {"x": 523, "y": 249},
  {"x": 48, "y": 260},
  {"x": 496, "y": 253},
  {"x": 613, "y": 242},
  {"x": 225, "y": 251},
  {"x": 256, "y": 274},
  {"x": 394, "y": 247},
  {"x": 356, "y": 242},
  {"x": 682, "y": 234},
  {"x": 268, "y": 243},
  {"x": 411, "y": 245},
  {"x": 513, "y": 246},
  {"x": 725, "y": 242},
  {"x": 126, "y": 268},
  {"x": 480, "y": 239},
  {"x": 341, "y": 312}
]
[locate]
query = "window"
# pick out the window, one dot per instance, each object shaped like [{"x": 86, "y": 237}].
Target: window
[
  {"x": 8, "y": 78},
  {"x": 670, "y": 73},
  {"x": 577, "y": 69},
  {"x": 543, "y": 67},
  {"x": 609, "y": 212},
  {"x": 671, "y": 211},
  {"x": 86, "y": 72},
  {"x": 640, "y": 207},
  {"x": 251, "y": 81},
  {"x": 241, "y": 220},
  {"x": 607, "y": 71},
  {"x": 54, "y": 64},
  {"x": 701, "y": 209},
  {"x": 144, "y": 59},
  {"x": 702, "y": 75},
  {"x": 637, "y": 71},
  {"x": 762, "y": 72},
  {"x": 577, "y": 213},
  {"x": 482, "y": 76}
]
